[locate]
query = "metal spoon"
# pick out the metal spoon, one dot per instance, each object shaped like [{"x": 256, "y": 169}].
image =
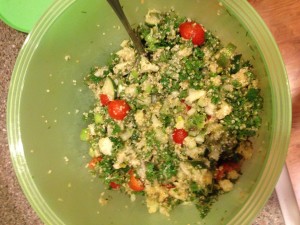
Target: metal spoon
[{"x": 116, "y": 6}]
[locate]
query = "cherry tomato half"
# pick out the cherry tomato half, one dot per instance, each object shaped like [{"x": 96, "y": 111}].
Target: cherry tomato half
[
  {"x": 179, "y": 135},
  {"x": 118, "y": 109},
  {"x": 135, "y": 183},
  {"x": 114, "y": 185},
  {"x": 226, "y": 168},
  {"x": 194, "y": 31},
  {"x": 94, "y": 161},
  {"x": 104, "y": 99}
]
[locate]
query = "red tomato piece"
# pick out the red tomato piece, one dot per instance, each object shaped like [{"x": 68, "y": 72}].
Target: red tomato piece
[
  {"x": 226, "y": 168},
  {"x": 219, "y": 174},
  {"x": 179, "y": 135},
  {"x": 194, "y": 31},
  {"x": 118, "y": 109},
  {"x": 104, "y": 99},
  {"x": 94, "y": 161},
  {"x": 114, "y": 185},
  {"x": 135, "y": 183}
]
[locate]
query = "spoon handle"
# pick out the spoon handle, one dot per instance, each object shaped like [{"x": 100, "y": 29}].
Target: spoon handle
[{"x": 116, "y": 6}]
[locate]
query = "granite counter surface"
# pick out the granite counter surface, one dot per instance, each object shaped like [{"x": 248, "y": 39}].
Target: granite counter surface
[{"x": 14, "y": 207}]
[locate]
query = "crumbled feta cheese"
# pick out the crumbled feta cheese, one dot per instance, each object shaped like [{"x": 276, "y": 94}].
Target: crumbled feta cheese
[
  {"x": 194, "y": 95},
  {"x": 210, "y": 109},
  {"x": 225, "y": 109},
  {"x": 152, "y": 17},
  {"x": 241, "y": 77},
  {"x": 126, "y": 54},
  {"x": 123, "y": 68},
  {"x": 146, "y": 66},
  {"x": 105, "y": 146}
]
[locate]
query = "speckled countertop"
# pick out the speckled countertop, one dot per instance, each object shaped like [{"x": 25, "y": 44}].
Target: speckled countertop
[{"x": 14, "y": 208}]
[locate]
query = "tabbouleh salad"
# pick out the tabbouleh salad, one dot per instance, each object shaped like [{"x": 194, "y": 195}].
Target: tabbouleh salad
[{"x": 173, "y": 124}]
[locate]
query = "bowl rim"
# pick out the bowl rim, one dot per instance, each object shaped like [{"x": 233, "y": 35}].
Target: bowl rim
[
  {"x": 280, "y": 132},
  {"x": 267, "y": 180}
]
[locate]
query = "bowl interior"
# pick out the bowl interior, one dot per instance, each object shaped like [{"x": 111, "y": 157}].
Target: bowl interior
[{"x": 48, "y": 96}]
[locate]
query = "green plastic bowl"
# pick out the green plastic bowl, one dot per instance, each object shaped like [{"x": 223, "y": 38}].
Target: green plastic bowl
[{"x": 47, "y": 98}]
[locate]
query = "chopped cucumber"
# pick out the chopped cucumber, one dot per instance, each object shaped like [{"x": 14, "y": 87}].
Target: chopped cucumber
[
  {"x": 98, "y": 118},
  {"x": 109, "y": 88},
  {"x": 225, "y": 55},
  {"x": 84, "y": 135}
]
